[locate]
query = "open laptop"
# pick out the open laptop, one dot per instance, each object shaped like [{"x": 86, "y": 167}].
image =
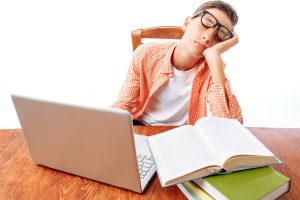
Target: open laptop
[{"x": 95, "y": 143}]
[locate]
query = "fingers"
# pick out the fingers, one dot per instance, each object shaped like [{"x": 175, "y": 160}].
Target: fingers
[
  {"x": 224, "y": 46},
  {"x": 235, "y": 38},
  {"x": 232, "y": 41}
]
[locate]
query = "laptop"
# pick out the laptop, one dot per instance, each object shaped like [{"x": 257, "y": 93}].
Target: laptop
[{"x": 96, "y": 143}]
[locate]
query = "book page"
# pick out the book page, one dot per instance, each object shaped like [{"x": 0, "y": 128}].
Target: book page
[
  {"x": 230, "y": 138},
  {"x": 178, "y": 152}
]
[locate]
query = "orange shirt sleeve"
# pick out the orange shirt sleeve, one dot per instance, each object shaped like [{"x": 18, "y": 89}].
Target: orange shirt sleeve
[
  {"x": 222, "y": 102},
  {"x": 129, "y": 94}
]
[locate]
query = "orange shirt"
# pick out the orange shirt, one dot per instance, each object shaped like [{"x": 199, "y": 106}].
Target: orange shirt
[{"x": 151, "y": 67}]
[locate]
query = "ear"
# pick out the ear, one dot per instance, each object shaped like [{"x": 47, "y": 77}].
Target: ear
[{"x": 186, "y": 23}]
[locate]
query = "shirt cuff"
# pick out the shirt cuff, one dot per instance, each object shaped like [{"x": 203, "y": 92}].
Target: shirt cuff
[
  {"x": 220, "y": 90},
  {"x": 218, "y": 99}
]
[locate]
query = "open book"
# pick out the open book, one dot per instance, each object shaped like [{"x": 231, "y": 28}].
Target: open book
[{"x": 213, "y": 145}]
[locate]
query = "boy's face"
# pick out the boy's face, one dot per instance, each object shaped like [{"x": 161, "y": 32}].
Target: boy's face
[{"x": 197, "y": 37}]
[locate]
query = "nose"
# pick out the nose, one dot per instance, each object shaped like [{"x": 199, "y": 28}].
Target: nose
[{"x": 209, "y": 35}]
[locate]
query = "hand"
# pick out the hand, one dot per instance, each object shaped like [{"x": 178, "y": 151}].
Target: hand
[
  {"x": 214, "y": 60},
  {"x": 221, "y": 47}
]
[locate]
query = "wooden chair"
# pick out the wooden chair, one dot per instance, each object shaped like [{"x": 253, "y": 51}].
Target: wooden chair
[{"x": 159, "y": 32}]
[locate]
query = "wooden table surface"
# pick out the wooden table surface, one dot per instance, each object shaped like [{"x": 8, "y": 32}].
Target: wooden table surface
[{"x": 20, "y": 178}]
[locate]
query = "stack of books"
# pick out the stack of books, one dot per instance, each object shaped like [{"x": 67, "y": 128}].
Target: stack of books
[
  {"x": 221, "y": 157},
  {"x": 261, "y": 183}
]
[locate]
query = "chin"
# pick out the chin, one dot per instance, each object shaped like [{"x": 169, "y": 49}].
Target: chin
[{"x": 197, "y": 54}]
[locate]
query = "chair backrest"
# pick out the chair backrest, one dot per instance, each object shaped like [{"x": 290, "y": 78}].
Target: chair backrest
[{"x": 159, "y": 32}]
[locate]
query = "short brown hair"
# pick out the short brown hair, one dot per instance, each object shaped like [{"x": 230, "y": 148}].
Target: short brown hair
[{"x": 221, "y": 5}]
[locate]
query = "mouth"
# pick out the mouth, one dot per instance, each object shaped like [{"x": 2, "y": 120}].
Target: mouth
[{"x": 199, "y": 45}]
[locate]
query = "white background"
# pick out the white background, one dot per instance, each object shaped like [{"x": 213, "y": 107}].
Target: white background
[{"x": 79, "y": 52}]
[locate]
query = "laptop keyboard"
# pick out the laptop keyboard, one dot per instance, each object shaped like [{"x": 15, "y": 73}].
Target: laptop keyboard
[{"x": 145, "y": 162}]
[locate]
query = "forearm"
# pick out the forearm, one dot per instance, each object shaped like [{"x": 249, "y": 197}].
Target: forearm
[
  {"x": 214, "y": 60},
  {"x": 215, "y": 65}
]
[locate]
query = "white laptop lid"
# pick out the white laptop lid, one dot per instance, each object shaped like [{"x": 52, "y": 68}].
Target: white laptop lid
[{"x": 90, "y": 142}]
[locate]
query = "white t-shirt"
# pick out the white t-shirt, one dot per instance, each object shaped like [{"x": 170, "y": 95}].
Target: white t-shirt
[{"x": 169, "y": 105}]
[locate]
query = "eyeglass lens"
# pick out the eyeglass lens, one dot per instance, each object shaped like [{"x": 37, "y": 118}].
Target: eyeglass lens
[{"x": 209, "y": 21}]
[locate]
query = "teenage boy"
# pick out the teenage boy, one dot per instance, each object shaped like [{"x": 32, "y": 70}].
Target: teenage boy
[{"x": 173, "y": 83}]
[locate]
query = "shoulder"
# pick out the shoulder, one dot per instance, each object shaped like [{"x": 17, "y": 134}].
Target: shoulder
[
  {"x": 147, "y": 57},
  {"x": 153, "y": 48}
]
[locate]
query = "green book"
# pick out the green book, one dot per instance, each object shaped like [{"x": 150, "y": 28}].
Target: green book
[{"x": 260, "y": 183}]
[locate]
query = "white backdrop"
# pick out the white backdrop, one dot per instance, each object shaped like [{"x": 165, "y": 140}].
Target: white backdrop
[{"x": 79, "y": 51}]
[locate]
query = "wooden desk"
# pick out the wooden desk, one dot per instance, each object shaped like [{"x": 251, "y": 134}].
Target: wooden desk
[{"x": 20, "y": 178}]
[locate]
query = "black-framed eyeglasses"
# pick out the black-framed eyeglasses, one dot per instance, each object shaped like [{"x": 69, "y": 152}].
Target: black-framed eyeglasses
[{"x": 210, "y": 21}]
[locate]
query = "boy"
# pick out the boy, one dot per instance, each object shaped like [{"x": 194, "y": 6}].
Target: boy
[{"x": 172, "y": 83}]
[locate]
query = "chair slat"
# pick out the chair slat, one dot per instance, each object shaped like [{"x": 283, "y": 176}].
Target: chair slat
[{"x": 160, "y": 32}]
